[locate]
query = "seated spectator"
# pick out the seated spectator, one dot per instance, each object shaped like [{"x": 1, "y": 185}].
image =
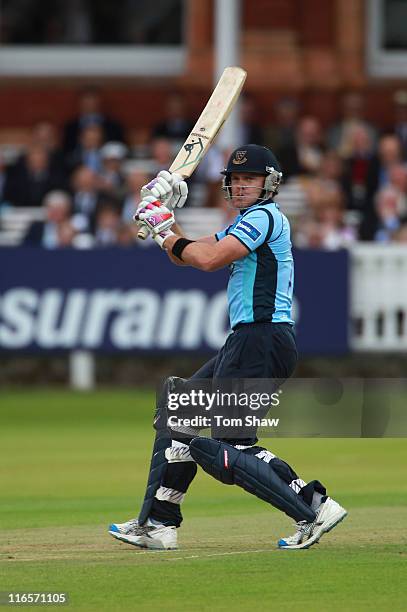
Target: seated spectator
[
  {"x": 398, "y": 178},
  {"x": 206, "y": 181},
  {"x": 357, "y": 167},
  {"x": 2, "y": 177},
  {"x": 400, "y": 119},
  {"x": 56, "y": 231},
  {"x": 305, "y": 155},
  {"x": 45, "y": 134},
  {"x": 67, "y": 235},
  {"x": 330, "y": 172},
  {"x": 176, "y": 125},
  {"x": 391, "y": 209},
  {"x": 107, "y": 225},
  {"x": 90, "y": 112},
  {"x": 401, "y": 234},
  {"x": 340, "y": 136},
  {"x": 325, "y": 227},
  {"x": 140, "y": 143},
  {"x": 280, "y": 134},
  {"x": 378, "y": 176},
  {"x": 388, "y": 153},
  {"x": 31, "y": 178},
  {"x": 161, "y": 154},
  {"x": 111, "y": 178},
  {"x": 310, "y": 235},
  {"x": 249, "y": 129},
  {"x": 135, "y": 181},
  {"x": 86, "y": 197},
  {"x": 88, "y": 152},
  {"x": 321, "y": 195}
]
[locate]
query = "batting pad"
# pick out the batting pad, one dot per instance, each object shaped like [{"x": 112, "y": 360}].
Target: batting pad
[
  {"x": 232, "y": 466},
  {"x": 157, "y": 470}
]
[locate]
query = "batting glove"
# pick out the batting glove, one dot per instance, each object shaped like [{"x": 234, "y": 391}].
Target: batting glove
[
  {"x": 156, "y": 217},
  {"x": 169, "y": 188},
  {"x": 161, "y": 238}
]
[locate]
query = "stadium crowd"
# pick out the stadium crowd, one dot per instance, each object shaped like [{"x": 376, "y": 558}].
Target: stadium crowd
[{"x": 350, "y": 178}]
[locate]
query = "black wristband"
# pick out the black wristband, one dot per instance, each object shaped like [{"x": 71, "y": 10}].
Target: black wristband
[{"x": 179, "y": 246}]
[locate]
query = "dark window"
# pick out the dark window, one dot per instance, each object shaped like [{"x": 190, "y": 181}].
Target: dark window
[
  {"x": 395, "y": 25},
  {"x": 91, "y": 22}
]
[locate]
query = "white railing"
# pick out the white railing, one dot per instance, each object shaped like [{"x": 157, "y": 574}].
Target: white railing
[
  {"x": 378, "y": 297},
  {"x": 15, "y": 221},
  {"x": 195, "y": 219}
]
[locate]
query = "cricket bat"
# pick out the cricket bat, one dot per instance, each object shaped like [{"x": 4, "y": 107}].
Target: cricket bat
[{"x": 207, "y": 127}]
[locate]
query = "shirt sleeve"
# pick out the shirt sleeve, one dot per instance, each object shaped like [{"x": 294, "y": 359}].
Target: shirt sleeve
[
  {"x": 254, "y": 228},
  {"x": 223, "y": 233}
]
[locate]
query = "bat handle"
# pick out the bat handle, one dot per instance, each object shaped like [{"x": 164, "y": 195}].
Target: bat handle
[{"x": 143, "y": 233}]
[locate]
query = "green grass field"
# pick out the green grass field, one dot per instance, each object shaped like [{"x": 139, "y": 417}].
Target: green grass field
[{"x": 72, "y": 463}]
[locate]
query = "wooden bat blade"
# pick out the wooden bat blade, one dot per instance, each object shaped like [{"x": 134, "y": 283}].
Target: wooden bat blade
[
  {"x": 212, "y": 118},
  {"x": 204, "y": 132}
]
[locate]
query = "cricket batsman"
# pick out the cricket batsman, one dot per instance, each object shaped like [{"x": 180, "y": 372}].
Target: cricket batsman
[{"x": 257, "y": 249}]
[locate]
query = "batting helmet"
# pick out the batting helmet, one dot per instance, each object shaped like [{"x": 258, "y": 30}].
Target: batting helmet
[{"x": 257, "y": 160}]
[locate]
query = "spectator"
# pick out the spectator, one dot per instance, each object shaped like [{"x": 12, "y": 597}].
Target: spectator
[
  {"x": 162, "y": 155},
  {"x": 390, "y": 210},
  {"x": 331, "y": 169},
  {"x": 280, "y": 134},
  {"x": 135, "y": 181},
  {"x": 305, "y": 155},
  {"x": 401, "y": 234},
  {"x": 398, "y": 178},
  {"x": 140, "y": 143},
  {"x": 391, "y": 203},
  {"x": 249, "y": 128},
  {"x": 321, "y": 195},
  {"x": 3, "y": 172},
  {"x": 357, "y": 167},
  {"x": 56, "y": 231},
  {"x": 310, "y": 235},
  {"x": 31, "y": 178},
  {"x": 205, "y": 183},
  {"x": 88, "y": 152},
  {"x": 90, "y": 113},
  {"x": 45, "y": 134},
  {"x": 378, "y": 176},
  {"x": 400, "y": 119},
  {"x": 340, "y": 136},
  {"x": 176, "y": 125},
  {"x": 107, "y": 224},
  {"x": 67, "y": 235},
  {"x": 111, "y": 177},
  {"x": 325, "y": 226},
  {"x": 388, "y": 154},
  {"x": 86, "y": 198}
]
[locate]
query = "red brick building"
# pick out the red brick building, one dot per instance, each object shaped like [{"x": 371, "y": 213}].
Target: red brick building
[{"x": 313, "y": 49}]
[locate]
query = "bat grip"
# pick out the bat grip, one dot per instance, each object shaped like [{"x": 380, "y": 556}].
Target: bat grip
[{"x": 143, "y": 233}]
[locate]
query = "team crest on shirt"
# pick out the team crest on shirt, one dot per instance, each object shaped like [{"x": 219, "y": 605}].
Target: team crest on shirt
[
  {"x": 240, "y": 157},
  {"x": 248, "y": 229}
]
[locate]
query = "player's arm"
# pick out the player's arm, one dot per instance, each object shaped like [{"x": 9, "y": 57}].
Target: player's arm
[
  {"x": 208, "y": 256},
  {"x": 206, "y": 239},
  {"x": 239, "y": 239},
  {"x": 176, "y": 228}
]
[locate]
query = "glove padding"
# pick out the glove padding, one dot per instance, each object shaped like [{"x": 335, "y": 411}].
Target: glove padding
[
  {"x": 170, "y": 189},
  {"x": 162, "y": 237},
  {"x": 155, "y": 216}
]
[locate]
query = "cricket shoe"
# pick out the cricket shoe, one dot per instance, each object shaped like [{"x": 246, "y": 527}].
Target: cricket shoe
[
  {"x": 329, "y": 514},
  {"x": 123, "y": 528},
  {"x": 153, "y": 536}
]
